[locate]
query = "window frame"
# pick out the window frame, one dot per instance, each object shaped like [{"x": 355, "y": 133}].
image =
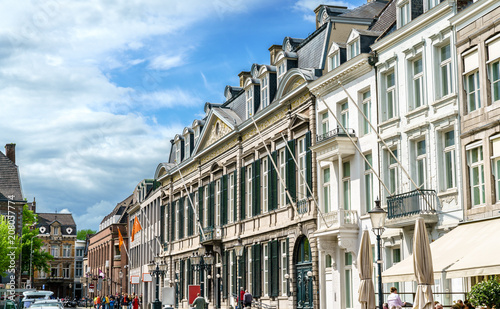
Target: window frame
[
  {"x": 346, "y": 185},
  {"x": 444, "y": 65},
  {"x": 348, "y": 286},
  {"x": 333, "y": 60},
  {"x": 366, "y": 107},
  {"x": 283, "y": 268},
  {"x": 282, "y": 168},
  {"x": 265, "y": 277},
  {"x": 217, "y": 201},
  {"x": 344, "y": 113},
  {"x": 249, "y": 101},
  {"x": 326, "y": 194},
  {"x": 472, "y": 93},
  {"x": 354, "y": 48},
  {"x": 206, "y": 201},
  {"x": 448, "y": 167},
  {"x": 265, "y": 184},
  {"x": 302, "y": 165},
  {"x": 393, "y": 170},
  {"x": 248, "y": 191},
  {"x": 421, "y": 163},
  {"x": 325, "y": 122},
  {"x": 417, "y": 83},
  {"x": 250, "y": 268},
  {"x": 264, "y": 90},
  {"x": 404, "y": 11},
  {"x": 389, "y": 92},
  {"x": 368, "y": 182},
  {"x": 231, "y": 198},
  {"x": 479, "y": 164}
]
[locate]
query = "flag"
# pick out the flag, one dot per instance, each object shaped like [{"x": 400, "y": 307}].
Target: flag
[
  {"x": 136, "y": 228},
  {"x": 120, "y": 239}
]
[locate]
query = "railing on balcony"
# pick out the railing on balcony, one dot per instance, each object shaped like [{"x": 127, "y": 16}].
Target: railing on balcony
[
  {"x": 412, "y": 203},
  {"x": 302, "y": 206},
  {"x": 334, "y": 133},
  {"x": 211, "y": 233},
  {"x": 338, "y": 218},
  {"x": 117, "y": 257}
]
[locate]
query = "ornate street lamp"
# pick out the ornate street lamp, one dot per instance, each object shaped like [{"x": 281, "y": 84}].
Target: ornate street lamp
[
  {"x": 155, "y": 271},
  {"x": 239, "y": 248},
  {"x": 378, "y": 216},
  {"x": 200, "y": 262}
]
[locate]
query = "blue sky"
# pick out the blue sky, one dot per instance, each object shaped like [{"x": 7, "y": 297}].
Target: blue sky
[{"x": 92, "y": 91}]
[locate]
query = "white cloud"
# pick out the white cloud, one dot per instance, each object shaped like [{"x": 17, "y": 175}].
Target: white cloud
[
  {"x": 308, "y": 6},
  {"x": 65, "y": 211},
  {"x": 164, "y": 62}
]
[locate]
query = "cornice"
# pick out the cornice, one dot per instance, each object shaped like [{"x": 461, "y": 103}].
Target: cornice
[{"x": 472, "y": 12}]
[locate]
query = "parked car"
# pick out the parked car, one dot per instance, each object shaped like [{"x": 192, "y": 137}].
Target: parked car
[{"x": 30, "y": 297}]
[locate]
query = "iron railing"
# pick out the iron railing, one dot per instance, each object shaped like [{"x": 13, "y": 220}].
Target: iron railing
[
  {"x": 412, "y": 203},
  {"x": 210, "y": 234},
  {"x": 334, "y": 133},
  {"x": 302, "y": 206},
  {"x": 338, "y": 218}
]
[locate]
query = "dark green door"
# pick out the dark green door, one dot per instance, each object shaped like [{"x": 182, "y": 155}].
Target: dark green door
[{"x": 303, "y": 267}]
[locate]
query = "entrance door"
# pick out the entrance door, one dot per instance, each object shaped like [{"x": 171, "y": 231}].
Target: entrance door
[{"x": 303, "y": 266}]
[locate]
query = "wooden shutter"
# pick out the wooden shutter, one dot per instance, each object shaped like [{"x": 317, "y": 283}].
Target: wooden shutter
[
  {"x": 273, "y": 182},
  {"x": 190, "y": 272},
  {"x": 235, "y": 274},
  {"x": 256, "y": 188},
  {"x": 182, "y": 280},
  {"x": 242, "y": 193},
  {"x": 287, "y": 268},
  {"x": 274, "y": 269},
  {"x": 190, "y": 215},
  {"x": 235, "y": 199},
  {"x": 223, "y": 201},
  {"x": 224, "y": 273},
  {"x": 200, "y": 206},
  {"x": 257, "y": 270},
  {"x": 162, "y": 224},
  {"x": 291, "y": 171},
  {"x": 181, "y": 217},
  {"x": 308, "y": 162},
  {"x": 211, "y": 203},
  {"x": 172, "y": 219}
]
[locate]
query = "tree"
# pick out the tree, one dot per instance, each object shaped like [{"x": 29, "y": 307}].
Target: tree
[
  {"x": 9, "y": 246},
  {"x": 32, "y": 245},
  {"x": 82, "y": 234},
  {"x": 485, "y": 293}
]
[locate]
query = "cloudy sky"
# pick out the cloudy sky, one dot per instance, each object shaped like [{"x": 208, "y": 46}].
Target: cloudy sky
[{"x": 92, "y": 91}]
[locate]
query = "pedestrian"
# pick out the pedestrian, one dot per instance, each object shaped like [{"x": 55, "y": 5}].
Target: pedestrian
[
  {"x": 106, "y": 302},
  {"x": 111, "y": 302},
  {"x": 242, "y": 294},
  {"x": 199, "y": 302},
  {"x": 135, "y": 302},
  {"x": 247, "y": 299},
  {"x": 130, "y": 299},
  {"x": 125, "y": 301},
  {"x": 98, "y": 301},
  {"x": 393, "y": 300},
  {"x": 386, "y": 306}
]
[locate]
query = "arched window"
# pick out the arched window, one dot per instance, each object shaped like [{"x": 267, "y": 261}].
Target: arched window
[{"x": 304, "y": 251}]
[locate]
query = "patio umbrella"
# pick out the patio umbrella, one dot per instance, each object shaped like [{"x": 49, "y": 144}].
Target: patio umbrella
[
  {"x": 365, "y": 262},
  {"x": 422, "y": 265}
]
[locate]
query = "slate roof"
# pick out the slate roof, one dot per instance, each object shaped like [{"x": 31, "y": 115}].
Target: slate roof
[
  {"x": 10, "y": 183},
  {"x": 68, "y": 225},
  {"x": 369, "y": 32},
  {"x": 237, "y": 105},
  {"x": 386, "y": 19},
  {"x": 335, "y": 10},
  {"x": 229, "y": 115},
  {"x": 311, "y": 51},
  {"x": 120, "y": 208},
  {"x": 367, "y": 10}
]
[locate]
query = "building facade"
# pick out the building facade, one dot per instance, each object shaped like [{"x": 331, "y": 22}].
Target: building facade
[{"x": 78, "y": 289}]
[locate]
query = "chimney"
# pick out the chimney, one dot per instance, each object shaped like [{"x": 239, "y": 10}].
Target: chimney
[
  {"x": 10, "y": 152},
  {"x": 243, "y": 76},
  {"x": 274, "y": 50}
]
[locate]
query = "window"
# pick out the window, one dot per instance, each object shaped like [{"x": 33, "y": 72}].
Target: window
[
  {"x": 432, "y": 3},
  {"x": 231, "y": 274},
  {"x": 344, "y": 115},
  {"x": 78, "y": 268},
  {"x": 368, "y": 182},
  {"x": 354, "y": 49},
  {"x": 54, "y": 251},
  {"x": 328, "y": 261},
  {"x": 326, "y": 190},
  {"x": 445, "y": 69},
  {"x": 494, "y": 68},
  {"x": 178, "y": 216},
  {"x": 79, "y": 252},
  {"x": 324, "y": 123},
  {"x": 389, "y": 99},
  {"x": 205, "y": 206},
  {"x": 404, "y": 14},
  {"x": 265, "y": 183},
  {"x": 348, "y": 280},
  {"x": 281, "y": 70},
  {"x": 346, "y": 184},
  {"x": 396, "y": 256},
  {"x": 42, "y": 274},
  {"x": 186, "y": 146},
  {"x": 449, "y": 159},
  {"x": 476, "y": 174},
  {"x": 66, "y": 250},
  {"x": 393, "y": 171},
  {"x": 367, "y": 110},
  {"x": 218, "y": 193},
  {"x": 186, "y": 216},
  {"x": 249, "y": 100},
  {"x": 266, "y": 270},
  {"x": 495, "y": 143},
  {"x": 248, "y": 191},
  {"x": 473, "y": 91},
  {"x": 55, "y": 230},
  {"x": 421, "y": 168},
  {"x": 301, "y": 143},
  {"x": 334, "y": 61},
  {"x": 418, "y": 77},
  {"x": 230, "y": 206},
  {"x": 264, "y": 91},
  {"x": 54, "y": 271},
  {"x": 66, "y": 271},
  {"x": 250, "y": 268},
  {"x": 282, "y": 167},
  {"x": 178, "y": 152},
  {"x": 284, "y": 268}
]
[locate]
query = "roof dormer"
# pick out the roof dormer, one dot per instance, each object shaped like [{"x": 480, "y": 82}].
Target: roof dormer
[
  {"x": 284, "y": 62},
  {"x": 336, "y": 55},
  {"x": 179, "y": 148},
  {"x": 353, "y": 44},
  {"x": 252, "y": 96},
  {"x": 188, "y": 135},
  {"x": 268, "y": 84}
]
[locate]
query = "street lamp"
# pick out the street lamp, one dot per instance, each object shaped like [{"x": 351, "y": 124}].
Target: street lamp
[
  {"x": 378, "y": 216},
  {"x": 239, "y": 253},
  {"x": 201, "y": 262},
  {"x": 157, "y": 270}
]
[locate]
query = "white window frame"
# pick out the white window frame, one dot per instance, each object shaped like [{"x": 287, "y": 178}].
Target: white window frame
[
  {"x": 344, "y": 114},
  {"x": 432, "y": 3},
  {"x": 333, "y": 60},
  {"x": 55, "y": 230},
  {"x": 326, "y": 197},
  {"x": 494, "y": 66},
  {"x": 404, "y": 13},
  {"x": 217, "y": 197},
  {"x": 472, "y": 80},
  {"x": 265, "y": 285},
  {"x": 284, "y": 268},
  {"x": 265, "y": 184},
  {"x": 392, "y": 171},
  {"x": 495, "y": 164},
  {"x": 479, "y": 165},
  {"x": 178, "y": 151},
  {"x": 178, "y": 217},
  {"x": 186, "y": 146},
  {"x": 230, "y": 205},
  {"x": 346, "y": 185},
  {"x": 186, "y": 217},
  {"x": 348, "y": 286},
  {"x": 354, "y": 48},
  {"x": 66, "y": 273},
  {"x": 368, "y": 182},
  {"x": 248, "y": 190},
  {"x": 301, "y": 158},
  {"x": 448, "y": 161},
  {"x": 249, "y": 101},
  {"x": 196, "y": 208},
  {"x": 445, "y": 71},
  {"x": 281, "y": 187},
  {"x": 325, "y": 122},
  {"x": 421, "y": 163},
  {"x": 366, "y": 105},
  {"x": 250, "y": 268},
  {"x": 55, "y": 249},
  {"x": 417, "y": 82},
  {"x": 281, "y": 70},
  {"x": 66, "y": 250},
  {"x": 389, "y": 92},
  {"x": 264, "y": 89},
  {"x": 231, "y": 274}
]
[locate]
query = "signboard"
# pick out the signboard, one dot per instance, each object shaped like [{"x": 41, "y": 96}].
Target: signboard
[
  {"x": 146, "y": 277},
  {"x": 91, "y": 286},
  {"x": 91, "y": 290},
  {"x": 193, "y": 291},
  {"x": 134, "y": 279},
  {"x": 168, "y": 296}
]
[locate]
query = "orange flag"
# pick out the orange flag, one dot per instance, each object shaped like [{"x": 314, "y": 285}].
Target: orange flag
[
  {"x": 136, "y": 228},
  {"x": 120, "y": 239}
]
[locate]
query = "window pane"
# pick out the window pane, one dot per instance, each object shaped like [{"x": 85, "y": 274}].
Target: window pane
[
  {"x": 369, "y": 159},
  {"x": 445, "y": 52},
  {"x": 417, "y": 67},
  {"x": 326, "y": 175},
  {"x": 421, "y": 147},
  {"x": 449, "y": 138},
  {"x": 448, "y": 165},
  {"x": 346, "y": 166}
]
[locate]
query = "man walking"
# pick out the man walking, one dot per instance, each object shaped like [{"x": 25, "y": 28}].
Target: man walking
[
  {"x": 199, "y": 302},
  {"x": 247, "y": 299}
]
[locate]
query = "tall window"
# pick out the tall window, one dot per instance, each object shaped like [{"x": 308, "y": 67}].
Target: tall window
[
  {"x": 54, "y": 251},
  {"x": 354, "y": 49},
  {"x": 54, "y": 271},
  {"x": 445, "y": 69},
  {"x": 494, "y": 68},
  {"x": 249, "y": 100},
  {"x": 66, "y": 271},
  {"x": 418, "y": 77},
  {"x": 421, "y": 156},
  {"x": 344, "y": 115},
  {"x": 196, "y": 208},
  {"x": 248, "y": 191},
  {"x": 282, "y": 167},
  {"x": 473, "y": 91},
  {"x": 449, "y": 159},
  {"x": 390, "y": 96},
  {"x": 324, "y": 123},
  {"x": 265, "y": 183},
  {"x": 281, "y": 70},
  {"x": 178, "y": 152},
  {"x": 67, "y": 251},
  {"x": 79, "y": 252},
  {"x": 264, "y": 91},
  {"x": 178, "y": 216},
  {"x": 334, "y": 61},
  {"x": 78, "y": 268},
  {"x": 302, "y": 168},
  {"x": 249, "y": 268},
  {"x": 346, "y": 184},
  {"x": 476, "y": 174},
  {"x": 393, "y": 171},
  {"x": 218, "y": 193},
  {"x": 326, "y": 190},
  {"x": 186, "y": 216},
  {"x": 55, "y": 230},
  {"x": 284, "y": 268},
  {"x": 368, "y": 183},
  {"x": 266, "y": 270},
  {"x": 367, "y": 110},
  {"x": 495, "y": 142},
  {"x": 348, "y": 280},
  {"x": 404, "y": 14},
  {"x": 231, "y": 274},
  {"x": 196, "y": 132},
  {"x": 206, "y": 201},
  {"x": 186, "y": 146},
  {"x": 230, "y": 206}
]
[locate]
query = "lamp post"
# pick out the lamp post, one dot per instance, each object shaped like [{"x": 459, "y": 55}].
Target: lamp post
[
  {"x": 200, "y": 262},
  {"x": 156, "y": 270},
  {"x": 378, "y": 216},
  {"x": 239, "y": 253}
]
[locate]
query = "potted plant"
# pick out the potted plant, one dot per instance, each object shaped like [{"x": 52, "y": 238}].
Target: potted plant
[{"x": 486, "y": 294}]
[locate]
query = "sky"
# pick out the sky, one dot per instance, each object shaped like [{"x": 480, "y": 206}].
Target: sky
[{"x": 92, "y": 92}]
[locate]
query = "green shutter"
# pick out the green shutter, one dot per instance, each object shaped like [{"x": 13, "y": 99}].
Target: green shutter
[
  {"x": 274, "y": 183},
  {"x": 190, "y": 272},
  {"x": 256, "y": 188},
  {"x": 257, "y": 271},
  {"x": 308, "y": 162},
  {"x": 162, "y": 224},
  {"x": 211, "y": 203},
  {"x": 223, "y": 201},
  {"x": 200, "y": 206},
  {"x": 242, "y": 193},
  {"x": 224, "y": 273},
  {"x": 287, "y": 268},
  {"x": 172, "y": 219},
  {"x": 274, "y": 269},
  {"x": 181, "y": 217},
  {"x": 190, "y": 215},
  {"x": 235, "y": 274},
  {"x": 241, "y": 269},
  {"x": 291, "y": 171},
  {"x": 182, "y": 281},
  {"x": 235, "y": 186}
]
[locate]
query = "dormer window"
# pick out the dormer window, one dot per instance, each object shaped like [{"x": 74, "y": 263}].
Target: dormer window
[
  {"x": 265, "y": 91},
  {"x": 249, "y": 102},
  {"x": 354, "y": 49},
  {"x": 333, "y": 61},
  {"x": 187, "y": 151},
  {"x": 404, "y": 13},
  {"x": 178, "y": 152},
  {"x": 55, "y": 230},
  {"x": 281, "y": 70},
  {"x": 196, "y": 132}
]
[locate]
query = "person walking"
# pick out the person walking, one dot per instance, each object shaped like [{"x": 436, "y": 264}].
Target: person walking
[
  {"x": 124, "y": 302},
  {"x": 98, "y": 302},
  {"x": 111, "y": 302},
  {"x": 394, "y": 301},
  {"x": 135, "y": 302},
  {"x": 247, "y": 299},
  {"x": 240, "y": 299},
  {"x": 199, "y": 302}
]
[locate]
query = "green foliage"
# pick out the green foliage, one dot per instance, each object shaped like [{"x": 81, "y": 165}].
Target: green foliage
[
  {"x": 486, "y": 293},
  {"x": 9, "y": 246},
  {"x": 81, "y": 234},
  {"x": 32, "y": 245}
]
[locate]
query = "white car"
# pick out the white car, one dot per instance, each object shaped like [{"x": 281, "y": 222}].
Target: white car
[{"x": 31, "y": 296}]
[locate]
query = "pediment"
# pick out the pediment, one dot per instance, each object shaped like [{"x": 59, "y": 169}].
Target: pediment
[
  {"x": 353, "y": 35},
  {"x": 215, "y": 129}
]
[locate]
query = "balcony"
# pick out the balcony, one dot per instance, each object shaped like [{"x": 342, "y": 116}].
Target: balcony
[
  {"x": 303, "y": 206},
  {"x": 329, "y": 146},
  {"x": 117, "y": 257},
  {"x": 403, "y": 209},
  {"x": 212, "y": 235},
  {"x": 337, "y": 220},
  {"x": 338, "y": 132}
]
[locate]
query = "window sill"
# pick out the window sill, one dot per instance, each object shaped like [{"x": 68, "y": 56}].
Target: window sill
[
  {"x": 452, "y": 191},
  {"x": 450, "y": 98},
  {"x": 389, "y": 122},
  {"x": 417, "y": 112}
]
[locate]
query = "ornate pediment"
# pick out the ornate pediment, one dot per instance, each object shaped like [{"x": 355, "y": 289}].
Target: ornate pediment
[{"x": 215, "y": 130}]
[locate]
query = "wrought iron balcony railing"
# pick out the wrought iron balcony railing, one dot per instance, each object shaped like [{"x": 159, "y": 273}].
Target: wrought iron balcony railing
[
  {"x": 334, "y": 133},
  {"x": 412, "y": 203},
  {"x": 303, "y": 206},
  {"x": 338, "y": 218},
  {"x": 211, "y": 233}
]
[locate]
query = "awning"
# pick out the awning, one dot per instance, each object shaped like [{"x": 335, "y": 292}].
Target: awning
[{"x": 471, "y": 249}]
